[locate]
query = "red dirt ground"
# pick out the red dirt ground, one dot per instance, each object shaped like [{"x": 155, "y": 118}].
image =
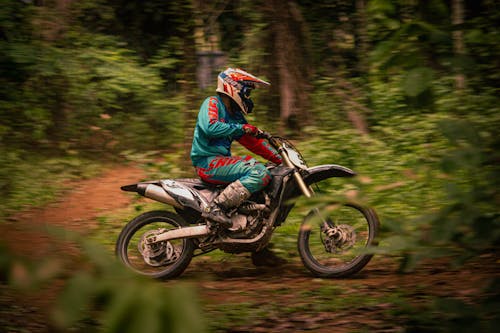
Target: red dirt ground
[{"x": 235, "y": 280}]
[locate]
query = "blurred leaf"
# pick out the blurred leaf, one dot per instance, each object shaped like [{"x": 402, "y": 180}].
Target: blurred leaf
[
  {"x": 74, "y": 302},
  {"x": 417, "y": 81}
]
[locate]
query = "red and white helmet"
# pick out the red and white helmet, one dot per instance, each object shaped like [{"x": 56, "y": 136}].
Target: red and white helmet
[{"x": 238, "y": 84}]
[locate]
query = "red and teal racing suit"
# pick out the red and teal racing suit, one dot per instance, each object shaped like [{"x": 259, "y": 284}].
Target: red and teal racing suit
[{"x": 215, "y": 130}]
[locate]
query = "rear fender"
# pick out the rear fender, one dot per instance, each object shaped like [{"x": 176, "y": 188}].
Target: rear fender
[{"x": 184, "y": 195}]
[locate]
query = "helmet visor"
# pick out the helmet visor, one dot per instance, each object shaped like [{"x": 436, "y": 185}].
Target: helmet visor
[{"x": 246, "y": 91}]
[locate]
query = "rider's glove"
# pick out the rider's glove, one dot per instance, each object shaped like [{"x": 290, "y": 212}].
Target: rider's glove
[
  {"x": 276, "y": 159},
  {"x": 250, "y": 129}
]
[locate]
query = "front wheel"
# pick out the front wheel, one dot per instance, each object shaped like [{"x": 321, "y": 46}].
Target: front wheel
[
  {"x": 335, "y": 245},
  {"x": 166, "y": 259}
]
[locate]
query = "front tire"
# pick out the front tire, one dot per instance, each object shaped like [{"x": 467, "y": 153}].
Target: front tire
[
  {"x": 162, "y": 260},
  {"x": 335, "y": 246}
]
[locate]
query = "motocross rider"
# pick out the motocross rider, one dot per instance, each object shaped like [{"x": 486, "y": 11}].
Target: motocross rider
[{"x": 221, "y": 120}]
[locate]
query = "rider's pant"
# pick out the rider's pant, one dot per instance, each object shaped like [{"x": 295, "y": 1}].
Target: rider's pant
[{"x": 224, "y": 170}]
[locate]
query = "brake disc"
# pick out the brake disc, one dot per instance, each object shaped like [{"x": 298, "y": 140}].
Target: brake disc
[
  {"x": 157, "y": 254},
  {"x": 338, "y": 238}
]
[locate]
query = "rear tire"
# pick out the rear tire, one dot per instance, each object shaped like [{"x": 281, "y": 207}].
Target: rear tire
[
  {"x": 130, "y": 239},
  {"x": 360, "y": 224}
]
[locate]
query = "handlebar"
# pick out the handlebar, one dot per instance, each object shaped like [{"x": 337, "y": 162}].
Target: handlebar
[
  {"x": 263, "y": 135},
  {"x": 273, "y": 140},
  {"x": 277, "y": 143}
]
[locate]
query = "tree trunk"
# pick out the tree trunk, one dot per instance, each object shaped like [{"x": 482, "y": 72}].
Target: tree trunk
[
  {"x": 355, "y": 111},
  {"x": 286, "y": 92},
  {"x": 289, "y": 46},
  {"x": 458, "y": 38},
  {"x": 362, "y": 38}
]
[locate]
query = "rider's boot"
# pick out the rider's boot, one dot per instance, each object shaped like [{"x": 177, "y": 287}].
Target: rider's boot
[{"x": 232, "y": 196}]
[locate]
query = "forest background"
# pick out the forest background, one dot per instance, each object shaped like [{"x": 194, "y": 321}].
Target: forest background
[{"x": 405, "y": 92}]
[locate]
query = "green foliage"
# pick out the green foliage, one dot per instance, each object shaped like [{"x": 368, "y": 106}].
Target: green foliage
[
  {"x": 417, "y": 81},
  {"x": 84, "y": 89},
  {"x": 107, "y": 297},
  {"x": 466, "y": 221},
  {"x": 121, "y": 99},
  {"x": 450, "y": 314},
  {"x": 110, "y": 77}
]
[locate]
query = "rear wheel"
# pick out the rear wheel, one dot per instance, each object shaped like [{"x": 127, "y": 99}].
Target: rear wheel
[
  {"x": 334, "y": 245},
  {"x": 166, "y": 259}
]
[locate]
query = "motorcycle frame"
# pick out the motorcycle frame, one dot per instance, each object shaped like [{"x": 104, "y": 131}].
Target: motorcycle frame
[{"x": 156, "y": 190}]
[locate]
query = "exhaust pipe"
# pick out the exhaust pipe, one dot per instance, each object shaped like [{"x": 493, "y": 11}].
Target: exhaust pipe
[
  {"x": 152, "y": 191},
  {"x": 157, "y": 193},
  {"x": 186, "y": 232}
]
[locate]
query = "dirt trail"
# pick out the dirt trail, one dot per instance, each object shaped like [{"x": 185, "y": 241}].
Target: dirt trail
[
  {"x": 76, "y": 209},
  {"x": 86, "y": 199},
  {"x": 236, "y": 281},
  {"x": 26, "y": 235}
]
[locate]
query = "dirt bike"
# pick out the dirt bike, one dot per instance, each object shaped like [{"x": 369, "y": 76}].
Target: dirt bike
[{"x": 161, "y": 244}]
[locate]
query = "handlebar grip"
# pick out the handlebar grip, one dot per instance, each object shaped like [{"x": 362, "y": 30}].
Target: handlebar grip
[{"x": 263, "y": 135}]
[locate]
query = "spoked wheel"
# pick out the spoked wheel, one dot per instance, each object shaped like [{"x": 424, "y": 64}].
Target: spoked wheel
[
  {"x": 332, "y": 246},
  {"x": 166, "y": 259}
]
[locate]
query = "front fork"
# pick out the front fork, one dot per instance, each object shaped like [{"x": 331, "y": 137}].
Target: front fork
[
  {"x": 306, "y": 190},
  {"x": 327, "y": 226}
]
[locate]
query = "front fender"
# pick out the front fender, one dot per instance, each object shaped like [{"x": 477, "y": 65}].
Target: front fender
[
  {"x": 321, "y": 172},
  {"x": 310, "y": 176}
]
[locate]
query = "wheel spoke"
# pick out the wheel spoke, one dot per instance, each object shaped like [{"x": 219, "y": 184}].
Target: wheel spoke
[
  {"x": 337, "y": 248},
  {"x": 156, "y": 259}
]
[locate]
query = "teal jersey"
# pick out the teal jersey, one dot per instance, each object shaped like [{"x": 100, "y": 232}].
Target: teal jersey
[{"x": 215, "y": 130}]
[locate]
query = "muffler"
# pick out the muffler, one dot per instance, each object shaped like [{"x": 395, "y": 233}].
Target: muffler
[
  {"x": 152, "y": 191},
  {"x": 186, "y": 232},
  {"x": 157, "y": 193}
]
